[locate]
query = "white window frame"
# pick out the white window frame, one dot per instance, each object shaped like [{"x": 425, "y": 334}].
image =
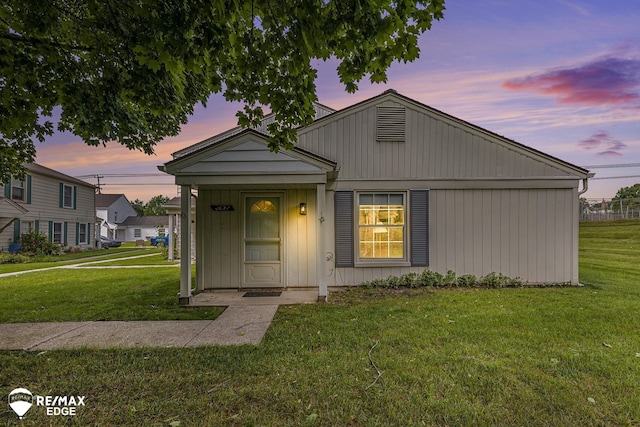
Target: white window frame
[
  {"x": 61, "y": 232},
  {"x": 137, "y": 232},
  {"x": 82, "y": 241},
  {"x": 22, "y": 187},
  {"x": 64, "y": 196},
  {"x": 362, "y": 261}
]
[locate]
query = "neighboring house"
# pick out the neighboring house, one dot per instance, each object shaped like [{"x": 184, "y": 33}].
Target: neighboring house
[
  {"x": 383, "y": 187},
  {"x": 143, "y": 227},
  {"x": 113, "y": 209},
  {"x": 58, "y": 205}
]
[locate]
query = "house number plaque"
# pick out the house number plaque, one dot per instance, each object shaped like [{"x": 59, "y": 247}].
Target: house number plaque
[{"x": 222, "y": 208}]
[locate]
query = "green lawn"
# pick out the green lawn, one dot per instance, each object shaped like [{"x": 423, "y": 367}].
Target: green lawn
[
  {"x": 76, "y": 258},
  {"x": 64, "y": 295},
  {"x": 507, "y": 357}
]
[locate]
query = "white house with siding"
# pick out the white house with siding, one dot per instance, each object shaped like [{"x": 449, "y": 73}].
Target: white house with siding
[
  {"x": 143, "y": 228},
  {"x": 48, "y": 201},
  {"x": 113, "y": 209},
  {"x": 383, "y": 187}
]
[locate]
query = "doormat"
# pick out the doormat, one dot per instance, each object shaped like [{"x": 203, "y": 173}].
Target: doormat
[{"x": 262, "y": 294}]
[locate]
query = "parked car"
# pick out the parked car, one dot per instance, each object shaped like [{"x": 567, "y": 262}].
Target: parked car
[
  {"x": 160, "y": 241},
  {"x": 107, "y": 243}
]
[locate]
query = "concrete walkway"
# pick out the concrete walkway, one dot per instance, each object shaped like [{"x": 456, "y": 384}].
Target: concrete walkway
[
  {"x": 244, "y": 321},
  {"x": 91, "y": 264}
]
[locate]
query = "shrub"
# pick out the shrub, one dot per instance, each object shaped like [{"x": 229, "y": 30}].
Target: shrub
[
  {"x": 430, "y": 278},
  {"x": 468, "y": 281},
  {"x": 14, "y": 259},
  {"x": 495, "y": 280},
  {"x": 37, "y": 243}
]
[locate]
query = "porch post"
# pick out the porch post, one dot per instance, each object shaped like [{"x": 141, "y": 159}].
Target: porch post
[
  {"x": 320, "y": 232},
  {"x": 171, "y": 237},
  {"x": 185, "y": 245}
]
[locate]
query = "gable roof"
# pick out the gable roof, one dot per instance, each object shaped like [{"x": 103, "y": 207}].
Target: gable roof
[
  {"x": 145, "y": 221},
  {"x": 106, "y": 200},
  {"x": 320, "y": 111},
  {"x": 314, "y": 142},
  {"x": 394, "y": 95},
  {"x": 247, "y": 153},
  {"x": 43, "y": 170}
]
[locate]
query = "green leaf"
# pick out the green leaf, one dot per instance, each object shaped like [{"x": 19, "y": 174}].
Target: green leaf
[{"x": 134, "y": 73}]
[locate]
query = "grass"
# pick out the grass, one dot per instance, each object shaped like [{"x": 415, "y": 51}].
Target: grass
[
  {"x": 76, "y": 258},
  {"x": 155, "y": 259},
  {"x": 96, "y": 294},
  {"x": 512, "y": 357}
]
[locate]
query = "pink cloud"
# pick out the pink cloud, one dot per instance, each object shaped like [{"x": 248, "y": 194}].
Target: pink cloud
[
  {"x": 607, "y": 81},
  {"x": 603, "y": 141}
]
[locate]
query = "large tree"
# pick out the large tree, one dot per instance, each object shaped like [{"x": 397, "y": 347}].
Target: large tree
[
  {"x": 131, "y": 71},
  {"x": 154, "y": 206},
  {"x": 138, "y": 206},
  {"x": 626, "y": 197}
]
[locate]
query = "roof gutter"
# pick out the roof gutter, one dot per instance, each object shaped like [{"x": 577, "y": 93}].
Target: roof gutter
[{"x": 585, "y": 183}]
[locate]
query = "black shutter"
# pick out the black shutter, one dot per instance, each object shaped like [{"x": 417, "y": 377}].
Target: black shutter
[
  {"x": 61, "y": 198},
  {"x": 16, "y": 230},
  {"x": 28, "y": 189},
  {"x": 419, "y": 224},
  {"x": 344, "y": 228}
]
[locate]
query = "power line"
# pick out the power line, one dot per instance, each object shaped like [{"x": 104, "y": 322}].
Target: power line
[
  {"x": 140, "y": 183},
  {"x": 124, "y": 175},
  {"x": 619, "y": 165},
  {"x": 616, "y": 177}
]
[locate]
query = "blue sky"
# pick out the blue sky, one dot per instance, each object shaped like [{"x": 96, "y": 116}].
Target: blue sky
[{"x": 561, "y": 76}]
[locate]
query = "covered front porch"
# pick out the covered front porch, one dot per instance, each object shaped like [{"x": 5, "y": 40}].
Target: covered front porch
[{"x": 261, "y": 218}]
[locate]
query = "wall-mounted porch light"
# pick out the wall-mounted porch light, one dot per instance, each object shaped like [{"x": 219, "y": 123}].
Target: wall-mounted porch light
[{"x": 303, "y": 208}]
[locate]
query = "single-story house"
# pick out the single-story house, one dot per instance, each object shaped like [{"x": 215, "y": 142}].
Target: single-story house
[
  {"x": 143, "y": 227},
  {"x": 383, "y": 187},
  {"x": 49, "y": 202}
]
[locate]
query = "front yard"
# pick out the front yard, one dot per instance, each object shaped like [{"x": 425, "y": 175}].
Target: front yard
[{"x": 544, "y": 357}]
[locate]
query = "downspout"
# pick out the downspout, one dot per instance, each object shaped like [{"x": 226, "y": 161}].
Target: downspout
[
  {"x": 585, "y": 186},
  {"x": 585, "y": 183}
]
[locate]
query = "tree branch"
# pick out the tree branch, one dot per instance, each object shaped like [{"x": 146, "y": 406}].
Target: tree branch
[{"x": 34, "y": 42}]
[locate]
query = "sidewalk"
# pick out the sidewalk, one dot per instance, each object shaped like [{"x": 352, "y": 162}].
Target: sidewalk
[
  {"x": 89, "y": 264},
  {"x": 245, "y": 321}
]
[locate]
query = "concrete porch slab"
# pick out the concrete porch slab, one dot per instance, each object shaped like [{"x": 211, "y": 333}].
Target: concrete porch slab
[{"x": 231, "y": 298}]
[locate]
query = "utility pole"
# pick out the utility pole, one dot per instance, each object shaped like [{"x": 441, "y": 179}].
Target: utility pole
[{"x": 98, "y": 187}]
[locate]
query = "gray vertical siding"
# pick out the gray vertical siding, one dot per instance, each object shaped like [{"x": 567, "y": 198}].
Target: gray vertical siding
[
  {"x": 521, "y": 233},
  {"x": 221, "y": 232},
  {"x": 221, "y": 255},
  {"x": 526, "y": 233},
  {"x": 434, "y": 148}
]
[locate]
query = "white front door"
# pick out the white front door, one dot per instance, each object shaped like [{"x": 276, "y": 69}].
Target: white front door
[{"x": 262, "y": 241}]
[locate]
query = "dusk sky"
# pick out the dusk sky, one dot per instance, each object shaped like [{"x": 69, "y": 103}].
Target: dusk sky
[{"x": 560, "y": 76}]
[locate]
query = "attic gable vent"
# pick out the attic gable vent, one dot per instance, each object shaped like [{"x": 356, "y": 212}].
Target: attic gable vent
[{"x": 390, "y": 124}]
